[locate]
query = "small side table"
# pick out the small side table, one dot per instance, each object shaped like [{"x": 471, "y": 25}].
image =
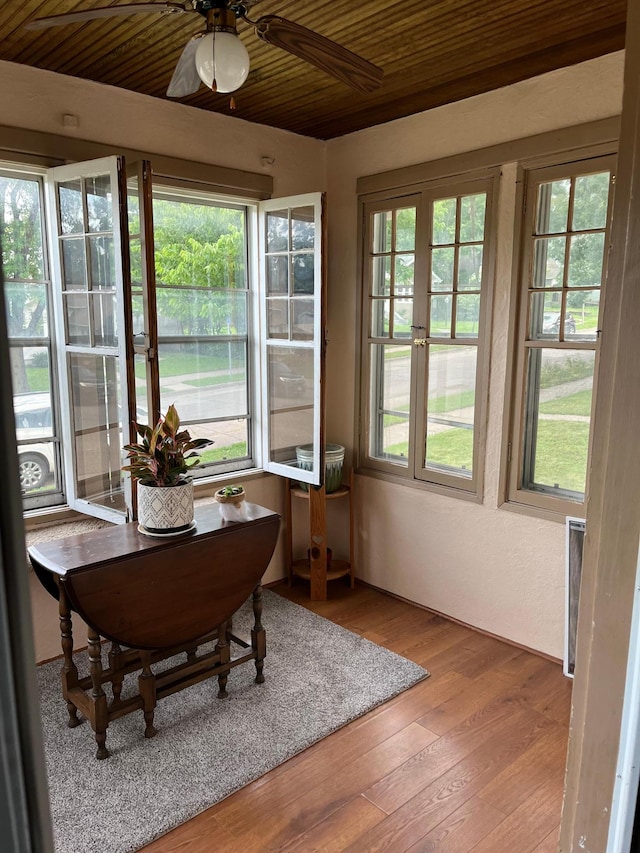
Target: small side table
[{"x": 314, "y": 569}]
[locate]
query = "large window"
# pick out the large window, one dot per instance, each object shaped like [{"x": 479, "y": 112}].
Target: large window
[
  {"x": 427, "y": 279},
  {"x": 566, "y": 216},
  {"x": 152, "y": 299}
]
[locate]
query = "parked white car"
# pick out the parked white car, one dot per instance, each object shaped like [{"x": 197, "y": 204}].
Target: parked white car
[{"x": 34, "y": 421}]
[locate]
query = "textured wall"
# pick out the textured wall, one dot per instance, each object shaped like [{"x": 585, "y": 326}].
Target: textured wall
[{"x": 495, "y": 569}]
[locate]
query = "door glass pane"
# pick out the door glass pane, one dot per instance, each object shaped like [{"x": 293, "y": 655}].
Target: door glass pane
[
  {"x": 389, "y": 406},
  {"x": 442, "y": 263},
  {"x": 451, "y": 409},
  {"x": 381, "y": 231},
  {"x": 105, "y": 319},
  {"x": 76, "y": 310},
  {"x": 440, "y": 316},
  {"x": 467, "y": 315},
  {"x": 302, "y": 322},
  {"x": 406, "y": 229},
  {"x": 278, "y": 319},
  {"x": 586, "y": 258},
  {"x": 381, "y": 276}
]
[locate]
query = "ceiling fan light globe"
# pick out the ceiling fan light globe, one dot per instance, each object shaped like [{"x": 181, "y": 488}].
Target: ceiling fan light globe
[{"x": 226, "y": 59}]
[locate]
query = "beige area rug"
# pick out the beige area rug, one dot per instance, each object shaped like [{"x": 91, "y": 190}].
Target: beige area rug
[{"x": 319, "y": 677}]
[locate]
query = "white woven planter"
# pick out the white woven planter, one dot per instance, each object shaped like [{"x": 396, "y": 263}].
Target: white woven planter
[{"x": 165, "y": 509}]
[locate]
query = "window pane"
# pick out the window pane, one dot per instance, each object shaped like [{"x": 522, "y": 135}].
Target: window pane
[
  {"x": 545, "y": 315},
  {"x": 103, "y": 307},
  {"x": 99, "y": 203},
  {"x": 406, "y": 229},
  {"x": 440, "y": 317},
  {"x": 20, "y": 215},
  {"x": 390, "y": 397},
  {"x": 470, "y": 267},
  {"x": 194, "y": 312},
  {"x": 70, "y": 202},
  {"x": 103, "y": 274},
  {"x": 380, "y": 318},
  {"x": 472, "y": 213},
  {"x": 548, "y": 262},
  {"x": 303, "y": 273},
  {"x": 96, "y": 422},
  {"x": 558, "y": 419},
  {"x": 590, "y": 202},
  {"x": 553, "y": 207},
  {"x": 277, "y": 231},
  {"x": 444, "y": 221},
  {"x": 277, "y": 269},
  {"x": 403, "y": 284},
  {"x": 583, "y": 308},
  {"x": 290, "y": 378},
  {"x": 302, "y": 228},
  {"x": 74, "y": 269},
  {"x": 586, "y": 258},
  {"x": 278, "y": 319},
  {"x": 381, "y": 276},
  {"x": 467, "y": 315},
  {"x": 26, "y": 307},
  {"x": 302, "y": 321},
  {"x": 442, "y": 262},
  {"x": 381, "y": 231},
  {"x": 37, "y": 449},
  {"x": 77, "y": 316},
  {"x": 451, "y": 409},
  {"x": 205, "y": 380}
]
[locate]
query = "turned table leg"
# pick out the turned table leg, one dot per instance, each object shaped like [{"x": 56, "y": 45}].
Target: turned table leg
[
  {"x": 258, "y": 635},
  {"x": 224, "y": 652},
  {"x": 115, "y": 663},
  {"x": 147, "y": 688},
  {"x": 100, "y": 714},
  {"x": 69, "y": 672}
]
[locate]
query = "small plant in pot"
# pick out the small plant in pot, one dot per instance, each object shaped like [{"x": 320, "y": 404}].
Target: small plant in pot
[
  {"x": 160, "y": 462},
  {"x": 231, "y": 500}
]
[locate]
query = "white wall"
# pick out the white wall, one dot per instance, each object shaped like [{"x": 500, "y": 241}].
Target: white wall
[{"x": 495, "y": 569}]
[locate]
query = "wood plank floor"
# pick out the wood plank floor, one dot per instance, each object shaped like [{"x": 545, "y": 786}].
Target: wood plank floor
[{"x": 472, "y": 759}]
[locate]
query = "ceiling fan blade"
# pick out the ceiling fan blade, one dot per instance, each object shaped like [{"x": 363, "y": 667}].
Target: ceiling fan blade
[
  {"x": 106, "y": 12},
  {"x": 186, "y": 80},
  {"x": 321, "y": 52}
]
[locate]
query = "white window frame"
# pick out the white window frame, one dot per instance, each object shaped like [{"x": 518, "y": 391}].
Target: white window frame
[{"x": 422, "y": 195}]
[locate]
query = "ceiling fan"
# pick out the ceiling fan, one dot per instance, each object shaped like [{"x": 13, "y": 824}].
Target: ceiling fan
[{"x": 218, "y": 58}]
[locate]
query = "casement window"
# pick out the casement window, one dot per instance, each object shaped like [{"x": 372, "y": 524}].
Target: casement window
[
  {"x": 136, "y": 295},
  {"x": 566, "y": 220},
  {"x": 427, "y": 276}
]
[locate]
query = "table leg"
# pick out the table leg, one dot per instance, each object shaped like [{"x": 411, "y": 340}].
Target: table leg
[
  {"x": 147, "y": 688},
  {"x": 100, "y": 714},
  {"x": 258, "y": 635},
  {"x": 115, "y": 662},
  {"x": 224, "y": 653},
  {"x": 69, "y": 672}
]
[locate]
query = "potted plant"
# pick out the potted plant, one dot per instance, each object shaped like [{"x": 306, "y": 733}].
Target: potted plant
[
  {"x": 160, "y": 462},
  {"x": 231, "y": 500}
]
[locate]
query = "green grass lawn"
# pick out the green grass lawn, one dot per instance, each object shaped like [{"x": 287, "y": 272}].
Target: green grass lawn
[
  {"x": 561, "y": 458},
  {"x": 575, "y": 404},
  {"x": 220, "y": 454}
]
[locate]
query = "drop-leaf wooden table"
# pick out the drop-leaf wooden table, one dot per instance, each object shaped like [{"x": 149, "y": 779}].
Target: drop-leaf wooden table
[{"x": 154, "y": 598}]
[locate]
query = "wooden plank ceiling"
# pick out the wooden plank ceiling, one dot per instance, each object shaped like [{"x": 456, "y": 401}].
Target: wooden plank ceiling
[{"x": 432, "y": 51}]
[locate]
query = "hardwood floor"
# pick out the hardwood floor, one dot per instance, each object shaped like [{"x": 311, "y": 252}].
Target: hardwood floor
[{"x": 472, "y": 759}]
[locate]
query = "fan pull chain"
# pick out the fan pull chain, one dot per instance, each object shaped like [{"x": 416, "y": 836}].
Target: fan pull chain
[{"x": 232, "y": 103}]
